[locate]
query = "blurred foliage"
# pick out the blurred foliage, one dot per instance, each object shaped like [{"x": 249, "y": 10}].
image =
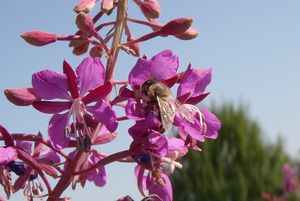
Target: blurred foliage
[{"x": 238, "y": 166}]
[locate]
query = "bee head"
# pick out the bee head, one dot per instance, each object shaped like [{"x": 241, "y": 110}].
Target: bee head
[
  {"x": 146, "y": 86},
  {"x": 153, "y": 88}
]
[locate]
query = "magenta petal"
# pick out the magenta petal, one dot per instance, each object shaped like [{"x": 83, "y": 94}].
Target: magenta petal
[
  {"x": 24, "y": 145},
  {"x": 104, "y": 136},
  {"x": 98, "y": 176},
  {"x": 7, "y": 154},
  {"x": 141, "y": 179},
  {"x": 194, "y": 82},
  {"x": 132, "y": 110},
  {"x": 158, "y": 143},
  {"x": 51, "y": 107},
  {"x": 56, "y": 130},
  {"x": 141, "y": 127},
  {"x": 178, "y": 145},
  {"x": 140, "y": 72},
  {"x": 97, "y": 93},
  {"x": 162, "y": 66},
  {"x": 186, "y": 128},
  {"x": 72, "y": 80},
  {"x": 103, "y": 113},
  {"x": 48, "y": 156},
  {"x": 212, "y": 123},
  {"x": 163, "y": 191},
  {"x": 90, "y": 74},
  {"x": 48, "y": 169},
  {"x": 8, "y": 139},
  {"x": 48, "y": 84}
]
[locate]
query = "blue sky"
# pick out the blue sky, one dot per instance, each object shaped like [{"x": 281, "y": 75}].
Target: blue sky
[{"x": 252, "y": 46}]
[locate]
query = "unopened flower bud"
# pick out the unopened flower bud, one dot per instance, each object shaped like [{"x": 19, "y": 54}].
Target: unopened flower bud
[
  {"x": 150, "y": 8},
  {"x": 21, "y": 96},
  {"x": 176, "y": 27},
  {"x": 85, "y": 6},
  {"x": 96, "y": 51},
  {"x": 126, "y": 198},
  {"x": 84, "y": 22},
  {"x": 81, "y": 49},
  {"x": 39, "y": 38},
  {"x": 189, "y": 34},
  {"x": 77, "y": 43},
  {"x": 107, "y": 5}
]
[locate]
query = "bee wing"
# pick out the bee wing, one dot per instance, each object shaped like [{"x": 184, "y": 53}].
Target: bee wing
[{"x": 167, "y": 112}]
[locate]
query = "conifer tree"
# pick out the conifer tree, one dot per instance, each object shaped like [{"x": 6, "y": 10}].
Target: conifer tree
[{"x": 238, "y": 166}]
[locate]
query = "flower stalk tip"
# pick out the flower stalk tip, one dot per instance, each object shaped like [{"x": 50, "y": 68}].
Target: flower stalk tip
[
  {"x": 21, "y": 96},
  {"x": 150, "y": 8},
  {"x": 84, "y": 6},
  {"x": 39, "y": 38},
  {"x": 107, "y": 5},
  {"x": 189, "y": 34},
  {"x": 177, "y": 26},
  {"x": 85, "y": 23}
]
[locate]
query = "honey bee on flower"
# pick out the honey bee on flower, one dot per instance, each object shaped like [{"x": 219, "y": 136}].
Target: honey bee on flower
[
  {"x": 159, "y": 95},
  {"x": 151, "y": 81}
]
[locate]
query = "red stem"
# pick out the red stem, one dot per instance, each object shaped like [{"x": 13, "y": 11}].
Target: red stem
[
  {"x": 99, "y": 27},
  {"x": 109, "y": 159},
  {"x": 67, "y": 176},
  {"x": 150, "y": 24},
  {"x": 34, "y": 138}
]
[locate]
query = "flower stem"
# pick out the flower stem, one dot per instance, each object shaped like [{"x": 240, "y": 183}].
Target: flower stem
[
  {"x": 67, "y": 176},
  {"x": 81, "y": 156},
  {"x": 109, "y": 159},
  {"x": 119, "y": 27}
]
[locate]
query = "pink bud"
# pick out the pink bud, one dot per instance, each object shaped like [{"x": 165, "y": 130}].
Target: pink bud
[
  {"x": 84, "y": 22},
  {"x": 81, "y": 49},
  {"x": 39, "y": 38},
  {"x": 189, "y": 34},
  {"x": 150, "y": 9},
  {"x": 126, "y": 198},
  {"x": 76, "y": 42},
  {"x": 96, "y": 51},
  {"x": 176, "y": 27},
  {"x": 107, "y": 5},
  {"x": 85, "y": 6},
  {"x": 21, "y": 96}
]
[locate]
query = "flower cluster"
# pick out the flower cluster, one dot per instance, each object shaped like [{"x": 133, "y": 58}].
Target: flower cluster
[{"x": 83, "y": 109}]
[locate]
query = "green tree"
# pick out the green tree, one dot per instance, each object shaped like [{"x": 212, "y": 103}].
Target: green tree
[{"x": 238, "y": 166}]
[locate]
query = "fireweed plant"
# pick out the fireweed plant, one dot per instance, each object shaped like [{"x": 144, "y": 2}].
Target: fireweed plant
[{"x": 83, "y": 108}]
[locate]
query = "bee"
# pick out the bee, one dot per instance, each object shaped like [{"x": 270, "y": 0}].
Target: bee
[{"x": 159, "y": 96}]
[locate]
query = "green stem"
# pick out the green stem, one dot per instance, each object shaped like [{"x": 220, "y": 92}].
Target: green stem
[
  {"x": 119, "y": 27},
  {"x": 81, "y": 156}
]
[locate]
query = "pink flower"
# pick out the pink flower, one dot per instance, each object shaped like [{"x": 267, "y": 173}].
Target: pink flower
[
  {"x": 290, "y": 178},
  {"x": 157, "y": 183},
  {"x": 97, "y": 175},
  {"x": 191, "y": 91},
  {"x": 79, "y": 91}
]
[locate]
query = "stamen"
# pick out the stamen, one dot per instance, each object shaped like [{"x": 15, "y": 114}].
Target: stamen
[
  {"x": 172, "y": 162},
  {"x": 202, "y": 124},
  {"x": 79, "y": 126}
]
